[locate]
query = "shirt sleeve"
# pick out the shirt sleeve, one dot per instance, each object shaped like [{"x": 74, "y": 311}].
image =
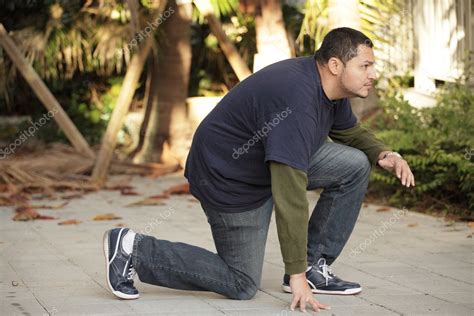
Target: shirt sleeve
[
  {"x": 291, "y": 215},
  {"x": 343, "y": 116},
  {"x": 290, "y": 139},
  {"x": 362, "y": 139}
]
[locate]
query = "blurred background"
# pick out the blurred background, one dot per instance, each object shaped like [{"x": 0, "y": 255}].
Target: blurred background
[{"x": 93, "y": 87}]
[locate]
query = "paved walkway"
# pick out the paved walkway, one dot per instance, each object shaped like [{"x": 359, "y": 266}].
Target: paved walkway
[{"x": 408, "y": 263}]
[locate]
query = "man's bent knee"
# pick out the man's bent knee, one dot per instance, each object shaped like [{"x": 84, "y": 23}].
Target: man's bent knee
[
  {"x": 359, "y": 161},
  {"x": 245, "y": 292}
]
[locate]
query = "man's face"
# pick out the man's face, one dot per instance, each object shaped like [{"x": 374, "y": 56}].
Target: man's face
[{"x": 358, "y": 74}]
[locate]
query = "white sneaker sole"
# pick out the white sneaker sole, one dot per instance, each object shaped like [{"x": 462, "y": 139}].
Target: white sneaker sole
[
  {"x": 106, "y": 255},
  {"x": 287, "y": 289}
]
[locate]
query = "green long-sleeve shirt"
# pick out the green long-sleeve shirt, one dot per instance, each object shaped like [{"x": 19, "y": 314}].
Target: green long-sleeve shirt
[{"x": 291, "y": 204}]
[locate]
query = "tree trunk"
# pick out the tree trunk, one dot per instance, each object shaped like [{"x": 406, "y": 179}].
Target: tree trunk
[
  {"x": 272, "y": 40},
  {"x": 235, "y": 60},
  {"x": 172, "y": 80}
]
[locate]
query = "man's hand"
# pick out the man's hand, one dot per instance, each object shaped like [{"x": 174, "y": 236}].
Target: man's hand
[
  {"x": 302, "y": 294},
  {"x": 399, "y": 167}
]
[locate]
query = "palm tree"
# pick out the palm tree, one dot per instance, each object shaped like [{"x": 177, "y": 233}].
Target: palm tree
[{"x": 172, "y": 79}]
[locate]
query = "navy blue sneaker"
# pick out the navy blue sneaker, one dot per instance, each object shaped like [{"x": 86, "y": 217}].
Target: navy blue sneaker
[
  {"x": 321, "y": 280},
  {"x": 120, "y": 271}
]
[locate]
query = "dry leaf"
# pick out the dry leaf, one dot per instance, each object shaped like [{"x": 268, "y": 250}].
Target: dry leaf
[
  {"x": 365, "y": 205},
  {"x": 470, "y": 224},
  {"x": 148, "y": 202},
  {"x": 14, "y": 199},
  {"x": 128, "y": 191},
  {"x": 70, "y": 222},
  {"x": 72, "y": 196},
  {"x": 160, "y": 196},
  {"x": 383, "y": 209},
  {"x": 26, "y": 213},
  {"x": 413, "y": 225},
  {"x": 106, "y": 217},
  {"x": 51, "y": 207},
  {"x": 120, "y": 225},
  {"x": 4, "y": 187},
  {"x": 4, "y": 201},
  {"x": 178, "y": 189},
  {"x": 20, "y": 198},
  {"x": 118, "y": 187}
]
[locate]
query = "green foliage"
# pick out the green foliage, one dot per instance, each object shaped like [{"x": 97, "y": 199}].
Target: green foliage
[
  {"x": 211, "y": 73},
  {"x": 436, "y": 142},
  {"x": 315, "y": 25},
  {"x": 90, "y": 117}
]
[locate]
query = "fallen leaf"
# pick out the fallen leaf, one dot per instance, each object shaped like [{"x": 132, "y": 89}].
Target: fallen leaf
[
  {"x": 148, "y": 202},
  {"x": 160, "y": 196},
  {"x": 178, "y": 189},
  {"x": 118, "y": 187},
  {"x": 72, "y": 196},
  {"x": 383, "y": 209},
  {"x": 26, "y": 213},
  {"x": 470, "y": 224},
  {"x": 5, "y": 201},
  {"x": 365, "y": 205},
  {"x": 127, "y": 191},
  {"x": 193, "y": 200},
  {"x": 50, "y": 207},
  {"x": 106, "y": 217},
  {"x": 70, "y": 222},
  {"x": 20, "y": 198},
  {"x": 413, "y": 225},
  {"x": 7, "y": 187},
  {"x": 469, "y": 236},
  {"x": 120, "y": 225},
  {"x": 14, "y": 199}
]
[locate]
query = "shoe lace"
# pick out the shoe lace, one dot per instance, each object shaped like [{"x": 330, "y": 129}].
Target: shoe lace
[
  {"x": 131, "y": 272},
  {"x": 325, "y": 270}
]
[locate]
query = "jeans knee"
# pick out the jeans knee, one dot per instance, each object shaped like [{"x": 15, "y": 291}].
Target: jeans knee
[
  {"x": 361, "y": 163},
  {"x": 245, "y": 289},
  {"x": 245, "y": 293}
]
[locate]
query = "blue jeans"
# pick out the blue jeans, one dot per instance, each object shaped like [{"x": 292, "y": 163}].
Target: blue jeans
[{"x": 235, "y": 270}]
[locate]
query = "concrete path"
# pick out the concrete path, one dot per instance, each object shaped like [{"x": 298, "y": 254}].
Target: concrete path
[{"x": 407, "y": 263}]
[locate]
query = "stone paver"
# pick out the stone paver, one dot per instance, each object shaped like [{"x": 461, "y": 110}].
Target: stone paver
[{"x": 408, "y": 263}]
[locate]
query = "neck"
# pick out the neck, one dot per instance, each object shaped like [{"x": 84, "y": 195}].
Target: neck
[{"x": 330, "y": 84}]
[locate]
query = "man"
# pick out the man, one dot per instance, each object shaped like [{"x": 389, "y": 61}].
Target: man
[{"x": 264, "y": 145}]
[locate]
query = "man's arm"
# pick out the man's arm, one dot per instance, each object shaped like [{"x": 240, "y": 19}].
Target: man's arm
[
  {"x": 362, "y": 139},
  {"x": 291, "y": 214}
]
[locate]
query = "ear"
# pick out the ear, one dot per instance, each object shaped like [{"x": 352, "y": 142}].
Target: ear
[{"x": 334, "y": 66}]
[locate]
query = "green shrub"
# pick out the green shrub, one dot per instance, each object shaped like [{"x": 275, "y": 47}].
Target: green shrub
[
  {"x": 436, "y": 142},
  {"x": 90, "y": 117}
]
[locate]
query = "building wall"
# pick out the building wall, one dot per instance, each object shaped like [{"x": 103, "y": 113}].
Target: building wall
[{"x": 443, "y": 36}]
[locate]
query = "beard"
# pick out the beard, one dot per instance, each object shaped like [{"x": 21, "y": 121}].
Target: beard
[{"x": 351, "y": 92}]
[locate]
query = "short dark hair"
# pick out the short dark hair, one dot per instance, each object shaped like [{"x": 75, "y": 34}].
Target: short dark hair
[{"x": 341, "y": 43}]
